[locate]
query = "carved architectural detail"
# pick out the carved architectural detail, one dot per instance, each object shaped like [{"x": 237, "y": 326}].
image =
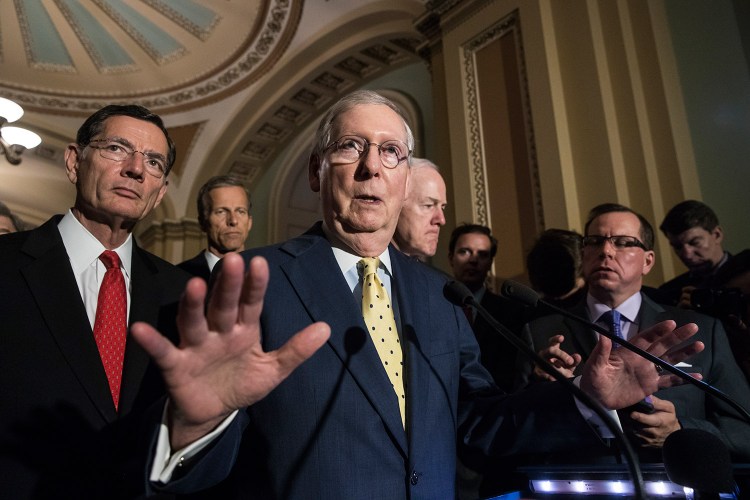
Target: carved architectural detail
[{"x": 508, "y": 26}]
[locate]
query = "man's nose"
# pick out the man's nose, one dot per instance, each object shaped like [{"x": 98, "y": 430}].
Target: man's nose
[
  {"x": 439, "y": 217},
  {"x": 133, "y": 166},
  {"x": 685, "y": 252},
  {"x": 608, "y": 248},
  {"x": 370, "y": 160}
]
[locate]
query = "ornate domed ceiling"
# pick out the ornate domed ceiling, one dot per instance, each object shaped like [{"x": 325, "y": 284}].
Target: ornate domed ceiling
[
  {"x": 236, "y": 81},
  {"x": 71, "y": 56}
]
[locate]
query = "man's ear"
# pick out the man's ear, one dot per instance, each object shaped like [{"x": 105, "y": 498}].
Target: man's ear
[
  {"x": 72, "y": 160},
  {"x": 313, "y": 172},
  {"x": 162, "y": 192},
  {"x": 648, "y": 262},
  {"x": 718, "y": 233}
]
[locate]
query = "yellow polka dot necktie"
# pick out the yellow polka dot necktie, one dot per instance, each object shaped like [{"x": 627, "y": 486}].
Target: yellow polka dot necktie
[{"x": 378, "y": 316}]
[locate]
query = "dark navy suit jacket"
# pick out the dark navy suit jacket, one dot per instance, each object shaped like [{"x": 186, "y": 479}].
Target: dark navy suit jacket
[{"x": 333, "y": 429}]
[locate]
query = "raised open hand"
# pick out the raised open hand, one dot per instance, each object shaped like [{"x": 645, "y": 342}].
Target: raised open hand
[
  {"x": 219, "y": 365},
  {"x": 618, "y": 378}
]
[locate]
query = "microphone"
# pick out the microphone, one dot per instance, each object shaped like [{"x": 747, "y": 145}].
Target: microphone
[
  {"x": 458, "y": 294},
  {"x": 521, "y": 293},
  {"x": 684, "y": 451}
]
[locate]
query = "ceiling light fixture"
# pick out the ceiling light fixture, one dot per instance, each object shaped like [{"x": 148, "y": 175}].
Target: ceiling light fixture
[{"x": 14, "y": 140}]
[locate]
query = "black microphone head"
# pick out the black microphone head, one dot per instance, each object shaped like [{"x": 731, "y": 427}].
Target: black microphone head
[
  {"x": 698, "y": 459},
  {"x": 518, "y": 292},
  {"x": 458, "y": 293}
]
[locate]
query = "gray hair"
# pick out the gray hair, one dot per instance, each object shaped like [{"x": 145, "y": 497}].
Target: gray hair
[{"x": 423, "y": 162}]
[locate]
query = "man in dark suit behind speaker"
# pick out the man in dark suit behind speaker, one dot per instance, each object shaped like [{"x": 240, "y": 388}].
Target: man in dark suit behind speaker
[
  {"x": 617, "y": 254},
  {"x": 224, "y": 215},
  {"x": 343, "y": 425},
  {"x": 471, "y": 249}
]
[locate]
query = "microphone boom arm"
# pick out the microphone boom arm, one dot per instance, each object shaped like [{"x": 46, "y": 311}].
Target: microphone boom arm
[
  {"x": 458, "y": 294},
  {"x": 521, "y": 293}
]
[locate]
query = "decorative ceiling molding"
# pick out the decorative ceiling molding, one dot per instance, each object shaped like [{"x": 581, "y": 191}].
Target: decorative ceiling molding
[
  {"x": 310, "y": 98},
  {"x": 144, "y": 52}
]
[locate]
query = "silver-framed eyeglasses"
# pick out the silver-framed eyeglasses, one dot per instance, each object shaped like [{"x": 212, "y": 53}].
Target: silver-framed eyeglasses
[
  {"x": 113, "y": 149},
  {"x": 350, "y": 148},
  {"x": 619, "y": 242}
]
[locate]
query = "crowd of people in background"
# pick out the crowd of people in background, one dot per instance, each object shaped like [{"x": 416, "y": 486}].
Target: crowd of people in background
[{"x": 173, "y": 398}]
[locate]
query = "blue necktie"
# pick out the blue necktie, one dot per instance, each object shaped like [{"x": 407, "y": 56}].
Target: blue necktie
[{"x": 612, "y": 319}]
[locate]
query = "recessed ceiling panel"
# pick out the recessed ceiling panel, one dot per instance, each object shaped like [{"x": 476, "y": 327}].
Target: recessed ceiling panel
[{"x": 71, "y": 56}]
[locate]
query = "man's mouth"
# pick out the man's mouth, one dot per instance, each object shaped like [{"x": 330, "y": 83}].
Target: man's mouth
[
  {"x": 127, "y": 192},
  {"x": 367, "y": 198}
]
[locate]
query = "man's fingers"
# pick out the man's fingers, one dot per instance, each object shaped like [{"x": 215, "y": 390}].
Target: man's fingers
[
  {"x": 190, "y": 317},
  {"x": 674, "y": 356},
  {"x": 253, "y": 290},
  {"x": 225, "y": 295},
  {"x": 300, "y": 347},
  {"x": 154, "y": 343},
  {"x": 555, "y": 340},
  {"x": 661, "y": 337}
]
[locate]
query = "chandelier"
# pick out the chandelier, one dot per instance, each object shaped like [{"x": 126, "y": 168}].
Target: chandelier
[{"x": 14, "y": 140}]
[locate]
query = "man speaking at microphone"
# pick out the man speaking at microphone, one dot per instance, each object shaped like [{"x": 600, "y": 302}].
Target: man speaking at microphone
[
  {"x": 617, "y": 254},
  {"x": 382, "y": 409}
]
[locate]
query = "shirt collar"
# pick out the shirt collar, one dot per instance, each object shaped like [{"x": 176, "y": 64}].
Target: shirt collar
[
  {"x": 628, "y": 309},
  {"x": 84, "y": 249},
  {"x": 347, "y": 260},
  {"x": 211, "y": 259},
  {"x": 479, "y": 294}
]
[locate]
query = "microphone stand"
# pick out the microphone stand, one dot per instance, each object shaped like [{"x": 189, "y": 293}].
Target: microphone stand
[
  {"x": 527, "y": 296},
  {"x": 459, "y": 294}
]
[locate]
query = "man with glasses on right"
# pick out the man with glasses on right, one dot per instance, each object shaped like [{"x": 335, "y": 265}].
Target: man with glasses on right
[{"x": 617, "y": 253}]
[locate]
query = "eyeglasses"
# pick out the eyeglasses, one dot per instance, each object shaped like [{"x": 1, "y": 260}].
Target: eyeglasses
[
  {"x": 154, "y": 163},
  {"x": 350, "y": 148},
  {"x": 619, "y": 242}
]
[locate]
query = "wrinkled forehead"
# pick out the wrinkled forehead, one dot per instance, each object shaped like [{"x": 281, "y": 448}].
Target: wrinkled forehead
[{"x": 374, "y": 122}]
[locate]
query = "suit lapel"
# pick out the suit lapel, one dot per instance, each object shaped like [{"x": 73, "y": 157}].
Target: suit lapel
[
  {"x": 51, "y": 281},
  {"x": 418, "y": 370},
  {"x": 316, "y": 278},
  {"x": 650, "y": 313},
  {"x": 583, "y": 338},
  {"x": 145, "y": 305}
]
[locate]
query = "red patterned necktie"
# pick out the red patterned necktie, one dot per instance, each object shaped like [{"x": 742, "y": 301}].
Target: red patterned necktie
[{"x": 110, "y": 328}]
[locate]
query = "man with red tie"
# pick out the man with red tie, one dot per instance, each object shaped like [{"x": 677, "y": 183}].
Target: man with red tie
[{"x": 69, "y": 374}]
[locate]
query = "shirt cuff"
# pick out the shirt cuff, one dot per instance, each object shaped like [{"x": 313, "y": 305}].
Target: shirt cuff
[
  {"x": 593, "y": 419},
  {"x": 165, "y": 462}
]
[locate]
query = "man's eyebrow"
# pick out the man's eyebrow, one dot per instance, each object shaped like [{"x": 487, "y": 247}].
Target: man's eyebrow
[{"x": 125, "y": 142}]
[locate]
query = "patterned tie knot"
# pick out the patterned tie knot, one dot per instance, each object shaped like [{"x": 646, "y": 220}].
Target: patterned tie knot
[
  {"x": 110, "y": 259},
  {"x": 612, "y": 319},
  {"x": 369, "y": 265}
]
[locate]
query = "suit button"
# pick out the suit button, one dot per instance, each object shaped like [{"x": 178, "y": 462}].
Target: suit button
[{"x": 414, "y": 478}]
